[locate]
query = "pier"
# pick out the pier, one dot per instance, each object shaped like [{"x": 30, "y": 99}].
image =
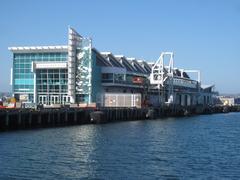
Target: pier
[{"x": 15, "y": 119}]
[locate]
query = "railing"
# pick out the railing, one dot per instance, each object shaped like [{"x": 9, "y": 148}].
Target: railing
[{"x": 111, "y": 81}]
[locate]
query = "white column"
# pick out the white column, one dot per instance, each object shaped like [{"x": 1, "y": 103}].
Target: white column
[{"x": 34, "y": 88}]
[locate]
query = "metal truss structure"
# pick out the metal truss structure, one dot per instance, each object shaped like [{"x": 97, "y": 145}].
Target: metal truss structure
[
  {"x": 161, "y": 74},
  {"x": 162, "y": 77}
]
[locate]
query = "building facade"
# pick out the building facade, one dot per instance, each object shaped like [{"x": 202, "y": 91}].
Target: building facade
[{"x": 78, "y": 73}]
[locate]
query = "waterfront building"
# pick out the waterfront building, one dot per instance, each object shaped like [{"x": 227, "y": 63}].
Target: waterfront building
[
  {"x": 227, "y": 100},
  {"x": 78, "y": 73}
]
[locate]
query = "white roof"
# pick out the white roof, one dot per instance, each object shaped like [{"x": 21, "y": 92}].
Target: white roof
[
  {"x": 24, "y": 49},
  {"x": 106, "y": 53},
  {"x": 119, "y": 55},
  {"x": 131, "y": 58},
  {"x": 204, "y": 86}
]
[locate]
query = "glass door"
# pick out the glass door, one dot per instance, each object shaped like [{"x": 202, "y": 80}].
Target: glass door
[
  {"x": 43, "y": 99},
  {"x": 54, "y": 99}
]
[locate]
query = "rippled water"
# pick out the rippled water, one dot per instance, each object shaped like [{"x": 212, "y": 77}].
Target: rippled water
[{"x": 201, "y": 147}]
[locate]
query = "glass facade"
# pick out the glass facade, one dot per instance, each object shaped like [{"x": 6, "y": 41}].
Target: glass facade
[
  {"x": 113, "y": 78},
  {"x": 124, "y": 79},
  {"x": 51, "y": 81},
  {"x": 84, "y": 71},
  {"x": 23, "y": 77},
  {"x": 96, "y": 78},
  {"x": 51, "y": 86}
]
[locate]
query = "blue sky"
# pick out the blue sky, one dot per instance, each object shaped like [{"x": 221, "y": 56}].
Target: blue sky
[{"x": 203, "y": 34}]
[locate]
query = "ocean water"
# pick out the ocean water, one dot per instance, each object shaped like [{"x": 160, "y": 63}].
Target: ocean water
[{"x": 198, "y": 147}]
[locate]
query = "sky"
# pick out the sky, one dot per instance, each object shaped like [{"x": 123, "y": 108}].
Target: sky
[{"x": 203, "y": 34}]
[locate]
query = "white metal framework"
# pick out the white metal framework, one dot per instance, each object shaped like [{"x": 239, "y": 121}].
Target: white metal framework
[
  {"x": 161, "y": 73},
  {"x": 163, "y": 76}
]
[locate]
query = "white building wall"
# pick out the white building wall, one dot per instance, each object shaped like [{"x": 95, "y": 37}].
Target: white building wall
[{"x": 120, "y": 100}]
